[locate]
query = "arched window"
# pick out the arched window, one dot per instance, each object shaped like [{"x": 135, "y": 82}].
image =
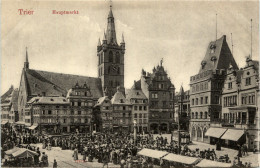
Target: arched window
[
  {"x": 201, "y": 115},
  {"x": 196, "y": 115},
  {"x": 117, "y": 57},
  {"x": 110, "y": 56},
  {"x": 192, "y": 115},
  {"x": 199, "y": 135},
  {"x": 206, "y": 115}
]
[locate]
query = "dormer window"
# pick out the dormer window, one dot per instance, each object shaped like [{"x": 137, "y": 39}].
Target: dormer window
[
  {"x": 137, "y": 93},
  {"x": 203, "y": 63},
  {"x": 212, "y": 48},
  {"x": 121, "y": 101}
]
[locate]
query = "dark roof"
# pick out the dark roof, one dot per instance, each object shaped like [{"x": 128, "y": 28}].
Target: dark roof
[
  {"x": 15, "y": 99},
  {"x": 134, "y": 94},
  {"x": 137, "y": 85},
  {"x": 222, "y": 56},
  {"x": 58, "y": 84},
  {"x": 7, "y": 93},
  {"x": 48, "y": 100},
  {"x": 119, "y": 98}
]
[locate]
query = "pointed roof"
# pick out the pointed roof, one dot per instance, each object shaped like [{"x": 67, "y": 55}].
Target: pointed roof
[
  {"x": 58, "y": 84},
  {"x": 99, "y": 42},
  {"x": 181, "y": 90},
  {"x": 123, "y": 40},
  {"x": 101, "y": 100},
  {"x": 119, "y": 98},
  {"x": 135, "y": 94},
  {"x": 218, "y": 56},
  {"x": 111, "y": 31},
  {"x": 26, "y": 56}
]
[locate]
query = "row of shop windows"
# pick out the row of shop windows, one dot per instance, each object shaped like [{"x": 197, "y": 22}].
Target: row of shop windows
[
  {"x": 56, "y": 112},
  {"x": 239, "y": 117},
  {"x": 64, "y": 120}
]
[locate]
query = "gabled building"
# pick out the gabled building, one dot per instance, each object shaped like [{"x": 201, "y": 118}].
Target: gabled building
[
  {"x": 159, "y": 90},
  {"x": 182, "y": 109},
  {"x": 240, "y": 106},
  {"x": 9, "y": 111},
  {"x": 35, "y": 83},
  {"x": 140, "y": 107},
  {"x": 122, "y": 109},
  {"x": 104, "y": 107},
  {"x": 206, "y": 89}
]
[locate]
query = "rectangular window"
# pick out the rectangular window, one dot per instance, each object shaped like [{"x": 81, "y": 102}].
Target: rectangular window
[
  {"x": 248, "y": 81},
  {"x": 145, "y": 108},
  {"x": 79, "y": 112},
  {"x": 192, "y": 101},
  {"x": 197, "y": 101},
  {"x": 201, "y": 100},
  {"x": 206, "y": 100},
  {"x": 49, "y": 112},
  {"x": 135, "y": 107},
  {"x": 230, "y": 85},
  {"x": 140, "y": 108}
]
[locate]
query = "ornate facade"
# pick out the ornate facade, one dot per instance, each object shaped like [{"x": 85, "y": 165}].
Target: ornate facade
[{"x": 206, "y": 88}]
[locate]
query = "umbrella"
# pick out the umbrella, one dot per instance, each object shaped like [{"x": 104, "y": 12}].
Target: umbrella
[{"x": 24, "y": 153}]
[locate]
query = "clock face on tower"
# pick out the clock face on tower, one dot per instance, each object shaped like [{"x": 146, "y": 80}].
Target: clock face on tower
[{"x": 114, "y": 68}]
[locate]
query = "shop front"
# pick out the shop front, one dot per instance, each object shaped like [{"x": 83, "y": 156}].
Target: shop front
[
  {"x": 233, "y": 137},
  {"x": 215, "y": 135}
]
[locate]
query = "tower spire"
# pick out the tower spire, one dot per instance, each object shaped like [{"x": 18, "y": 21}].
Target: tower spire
[
  {"x": 232, "y": 44},
  {"x": 251, "y": 40},
  {"x": 26, "y": 63},
  {"x": 123, "y": 40},
  {"x": 216, "y": 26},
  {"x": 99, "y": 43},
  {"x": 111, "y": 31}
]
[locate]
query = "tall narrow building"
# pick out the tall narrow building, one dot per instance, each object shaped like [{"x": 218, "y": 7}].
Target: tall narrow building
[
  {"x": 111, "y": 59},
  {"x": 206, "y": 89}
]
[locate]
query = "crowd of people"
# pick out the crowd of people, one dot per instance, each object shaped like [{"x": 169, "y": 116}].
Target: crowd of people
[
  {"x": 11, "y": 138},
  {"x": 119, "y": 149}
]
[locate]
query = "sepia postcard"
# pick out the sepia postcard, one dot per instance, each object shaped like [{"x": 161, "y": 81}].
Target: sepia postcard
[{"x": 123, "y": 83}]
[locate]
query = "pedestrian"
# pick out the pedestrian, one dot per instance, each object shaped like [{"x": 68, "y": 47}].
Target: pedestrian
[
  {"x": 105, "y": 160},
  {"x": 55, "y": 164},
  {"x": 239, "y": 152},
  {"x": 75, "y": 154}
]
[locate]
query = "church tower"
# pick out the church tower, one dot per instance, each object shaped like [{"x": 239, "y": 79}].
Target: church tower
[{"x": 111, "y": 59}]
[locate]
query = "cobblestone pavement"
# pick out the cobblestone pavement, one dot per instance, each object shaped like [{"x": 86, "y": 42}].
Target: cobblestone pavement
[{"x": 252, "y": 157}]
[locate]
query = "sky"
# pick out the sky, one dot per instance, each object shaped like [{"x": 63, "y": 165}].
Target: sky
[{"x": 177, "y": 31}]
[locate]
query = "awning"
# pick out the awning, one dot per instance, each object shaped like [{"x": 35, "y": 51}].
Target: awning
[
  {"x": 233, "y": 134},
  {"x": 215, "y": 132},
  {"x": 9, "y": 152},
  {"x": 181, "y": 159},
  {"x": 210, "y": 163},
  {"x": 24, "y": 153},
  {"x": 20, "y": 123},
  {"x": 152, "y": 153},
  {"x": 33, "y": 127},
  {"x": 4, "y": 122}
]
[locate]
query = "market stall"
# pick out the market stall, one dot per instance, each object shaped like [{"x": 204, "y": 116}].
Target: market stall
[
  {"x": 210, "y": 163},
  {"x": 180, "y": 160},
  {"x": 152, "y": 153}
]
